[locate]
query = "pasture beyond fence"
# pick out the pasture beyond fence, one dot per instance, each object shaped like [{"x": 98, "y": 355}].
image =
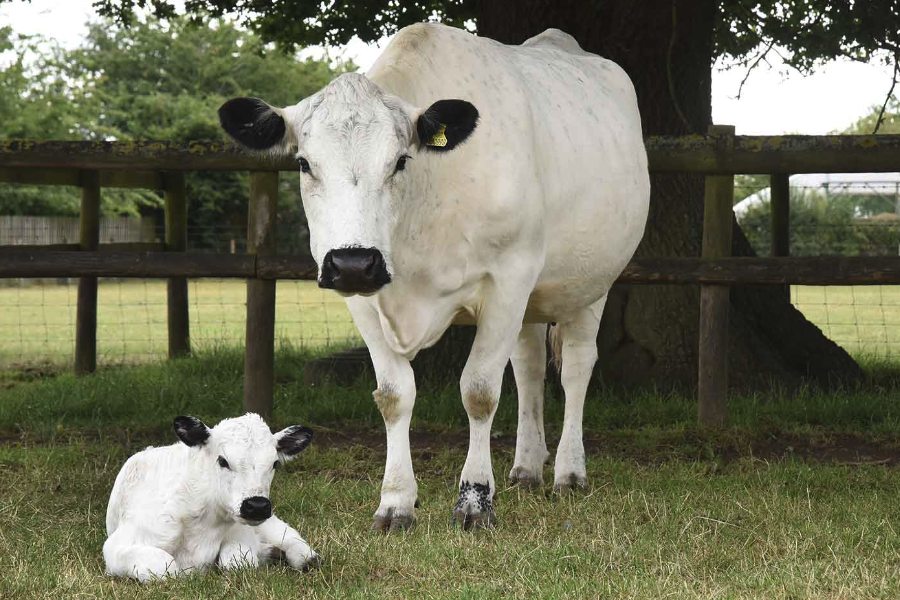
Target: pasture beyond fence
[{"x": 160, "y": 165}]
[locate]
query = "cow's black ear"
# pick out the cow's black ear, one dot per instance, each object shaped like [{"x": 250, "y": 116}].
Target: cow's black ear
[
  {"x": 252, "y": 122},
  {"x": 292, "y": 441},
  {"x": 446, "y": 124},
  {"x": 191, "y": 430}
]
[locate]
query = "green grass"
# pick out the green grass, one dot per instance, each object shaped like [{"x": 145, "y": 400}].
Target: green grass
[
  {"x": 862, "y": 319},
  {"x": 794, "y": 499},
  {"x": 37, "y": 322},
  {"x": 752, "y": 529}
]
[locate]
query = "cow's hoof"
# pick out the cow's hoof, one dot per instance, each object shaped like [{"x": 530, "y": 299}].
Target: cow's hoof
[
  {"x": 470, "y": 521},
  {"x": 474, "y": 508},
  {"x": 525, "y": 478},
  {"x": 393, "y": 522},
  {"x": 569, "y": 483}
]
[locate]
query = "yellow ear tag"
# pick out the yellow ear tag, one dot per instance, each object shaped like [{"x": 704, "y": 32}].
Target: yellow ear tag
[{"x": 439, "y": 139}]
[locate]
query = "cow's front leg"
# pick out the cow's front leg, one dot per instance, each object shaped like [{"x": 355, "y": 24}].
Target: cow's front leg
[
  {"x": 395, "y": 397},
  {"x": 240, "y": 548},
  {"x": 278, "y": 540},
  {"x": 498, "y": 327}
]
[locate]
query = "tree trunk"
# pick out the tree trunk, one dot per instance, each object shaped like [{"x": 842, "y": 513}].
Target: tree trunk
[{"x": 649, "y": 333}]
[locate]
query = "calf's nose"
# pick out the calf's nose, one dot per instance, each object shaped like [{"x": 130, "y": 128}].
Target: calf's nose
[
  {"x": 354, "y": 270},
  {"x": 256, "y": 508}
]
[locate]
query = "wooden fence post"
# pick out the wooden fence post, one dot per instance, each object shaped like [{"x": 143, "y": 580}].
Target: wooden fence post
[
  {"x": 259, "y": 352},
  {"x": 177, "y": 287},
  {"x": 712, "y": 384},
  {"x": 780, "y": 218},
  {"x": 89, "y": 239}
]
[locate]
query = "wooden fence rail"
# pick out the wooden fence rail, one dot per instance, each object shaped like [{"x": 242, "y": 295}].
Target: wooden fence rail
[
  {"x": 33, "y": 261},
  {"x": 159, "y": 165}
]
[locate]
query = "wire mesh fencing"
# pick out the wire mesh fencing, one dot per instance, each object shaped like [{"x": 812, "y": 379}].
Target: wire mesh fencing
[{"x": 37, "y": 318}]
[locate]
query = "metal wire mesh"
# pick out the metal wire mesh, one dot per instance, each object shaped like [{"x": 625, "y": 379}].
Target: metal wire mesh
[{"x": 37, "y": 318}]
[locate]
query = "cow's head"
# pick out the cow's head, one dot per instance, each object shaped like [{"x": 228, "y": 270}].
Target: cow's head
[
  {"x": 354, "y": 145},
  {"x": 239, "y": 457}
]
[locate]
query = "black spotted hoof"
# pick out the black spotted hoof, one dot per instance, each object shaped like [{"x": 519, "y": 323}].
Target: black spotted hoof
[
  {"x": 474, "y": 508},
  {"x": 393, "y": 522},
  {"x": 525, "y": 478},
  {"x": 569, "y": 483},
  {"x": 470, "y": 521}
]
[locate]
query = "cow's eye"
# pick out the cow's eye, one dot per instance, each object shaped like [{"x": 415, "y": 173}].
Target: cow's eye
[
  {"x": 401, "y": 163},
  {"x": 304, "y": 164},
  {"x": 223, "y": 463},
  {"x": 276, "y": 465}
]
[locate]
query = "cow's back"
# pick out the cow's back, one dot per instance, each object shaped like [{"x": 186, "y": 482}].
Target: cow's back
[
  {"x": 558, "y": 146},
  {"x": 145, "y": 485}
]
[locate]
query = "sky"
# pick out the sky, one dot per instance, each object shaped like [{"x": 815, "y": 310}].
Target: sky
[{"x": 771, "y": 103}]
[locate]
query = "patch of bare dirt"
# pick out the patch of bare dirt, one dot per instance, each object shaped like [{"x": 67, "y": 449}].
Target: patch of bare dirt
[{"x": 845, "y": 449}]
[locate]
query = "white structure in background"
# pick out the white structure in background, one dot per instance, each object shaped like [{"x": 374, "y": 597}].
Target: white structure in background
[{"x": 882, "y": 184}]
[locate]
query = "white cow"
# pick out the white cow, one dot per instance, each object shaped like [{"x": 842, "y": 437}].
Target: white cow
[
  {"x": 521, "y": 203},
  {"x": 203, "y": 500}
]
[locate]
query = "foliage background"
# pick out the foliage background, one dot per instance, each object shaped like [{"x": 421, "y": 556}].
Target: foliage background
[{"x": 158, "y": 79}]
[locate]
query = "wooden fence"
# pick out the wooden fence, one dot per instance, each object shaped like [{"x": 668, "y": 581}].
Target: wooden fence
[{"x": 160, "y": 165}]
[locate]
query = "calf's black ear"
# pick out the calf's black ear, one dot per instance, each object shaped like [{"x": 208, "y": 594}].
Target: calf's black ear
[
  {"x": 252, "y": 122},
  {"x": 191, "y": 430},
  {"x": 292, "y": 441},
  {"x": 446, "y": 124}
]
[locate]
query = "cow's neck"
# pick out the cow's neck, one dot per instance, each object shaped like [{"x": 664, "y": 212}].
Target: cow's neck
[{"x": 199, "y": 488}]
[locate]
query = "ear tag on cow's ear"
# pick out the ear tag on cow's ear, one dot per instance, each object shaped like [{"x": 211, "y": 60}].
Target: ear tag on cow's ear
[{"x": 438, "y": 139}]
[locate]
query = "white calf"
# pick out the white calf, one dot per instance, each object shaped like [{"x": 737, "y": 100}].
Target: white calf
[{"x": 187, "y": 506}]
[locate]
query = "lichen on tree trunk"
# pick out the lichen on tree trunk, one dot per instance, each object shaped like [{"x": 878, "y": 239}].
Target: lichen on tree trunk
[{"x": 649, "y": 333}]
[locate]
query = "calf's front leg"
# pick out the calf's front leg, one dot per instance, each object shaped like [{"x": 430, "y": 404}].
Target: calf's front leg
[
  {"x": 277, "y": 540},
  {"x": 240, "y": 548}
]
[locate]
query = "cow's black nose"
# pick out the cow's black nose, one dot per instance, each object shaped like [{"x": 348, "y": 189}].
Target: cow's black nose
[
  {"x": 354, "y": 270},
  {"x": 256, "y": 508}
]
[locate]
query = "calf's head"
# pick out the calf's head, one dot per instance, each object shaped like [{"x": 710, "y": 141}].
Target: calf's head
[
  {"x": 355, "y": 147},
  {"x": 240, "y": 456}
]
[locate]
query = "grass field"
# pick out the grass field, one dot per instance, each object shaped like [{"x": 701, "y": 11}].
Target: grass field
[
  {"x": 796, "y": 499},
  {"x": 37, "y": 322}
]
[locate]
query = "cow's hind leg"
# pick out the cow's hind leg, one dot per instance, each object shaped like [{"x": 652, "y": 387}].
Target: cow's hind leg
[
  {"x": 395, "y": 397},
  {"x": 529, "y": 361},
  {"x": 125, "y": 558},
  {"x": 579, "y": 353}
]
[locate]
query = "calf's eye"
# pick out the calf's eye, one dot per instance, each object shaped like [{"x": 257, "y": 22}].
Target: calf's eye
[
  {"x": 401, "y": 163},
  {"x": 304, "y": 164},
  {"x": 223, "y": 463}
]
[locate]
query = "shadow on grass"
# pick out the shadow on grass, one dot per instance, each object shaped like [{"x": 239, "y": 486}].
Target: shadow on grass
[{"x": 134, "y": 405}]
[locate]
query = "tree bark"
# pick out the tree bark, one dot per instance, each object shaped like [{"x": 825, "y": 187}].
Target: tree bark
[{"x": 649, "y": 333}]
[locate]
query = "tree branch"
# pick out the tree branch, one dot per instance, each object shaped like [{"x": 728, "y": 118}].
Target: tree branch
[
  {"x": 671, "y": 49},
  {"x": 762, "y": 55},
  {"x": 889, "y": 94}
]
